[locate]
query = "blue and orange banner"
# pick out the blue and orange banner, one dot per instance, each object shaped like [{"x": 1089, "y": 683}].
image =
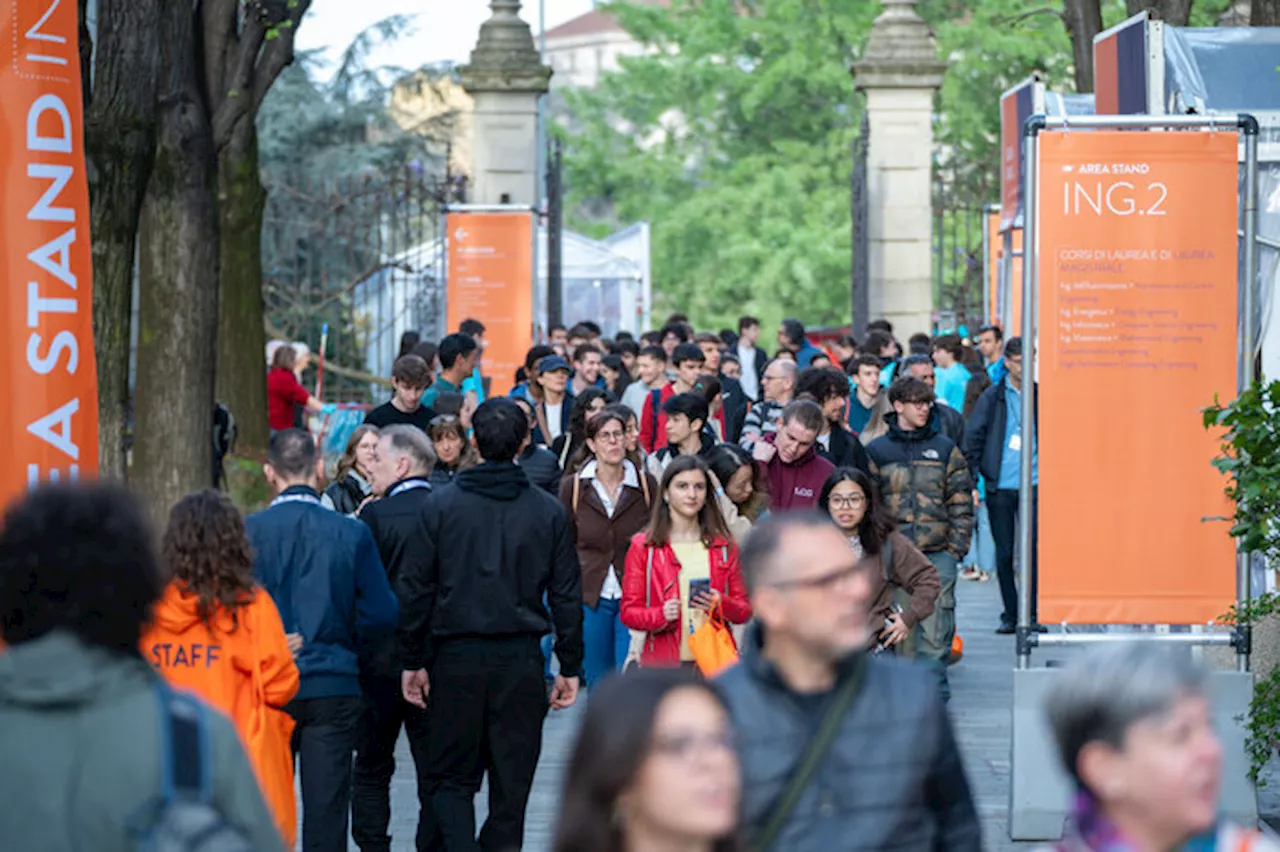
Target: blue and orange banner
[
  {"x": 48, "y": 374},
  {"x": 1120, "y": 68},
  {"x": 1016, "y": 106},
  {"x": 1137, "y": 329},
  {"x": 490, "y": 272}
]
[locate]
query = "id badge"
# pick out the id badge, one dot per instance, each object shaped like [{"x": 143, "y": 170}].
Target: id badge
[{"x": 1015, "y": 442}]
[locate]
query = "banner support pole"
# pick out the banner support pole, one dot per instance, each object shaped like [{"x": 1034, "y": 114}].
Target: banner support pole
[
  {"x": 1026, "y": 475},
  {"x": 1249, "y": 129}
]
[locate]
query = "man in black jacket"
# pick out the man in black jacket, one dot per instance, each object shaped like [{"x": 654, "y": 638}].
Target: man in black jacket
[
  {"x": 891, "y": 776},
  {"x": 490, "y": 546},
  {"x": 993, "y": 447},
  {"x": 399, "y": 478}
]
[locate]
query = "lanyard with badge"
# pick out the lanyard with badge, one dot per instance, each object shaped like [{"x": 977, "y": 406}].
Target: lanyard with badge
[
  {"x": 296, "y": 498},
  {"x": 409, "y": 486}
]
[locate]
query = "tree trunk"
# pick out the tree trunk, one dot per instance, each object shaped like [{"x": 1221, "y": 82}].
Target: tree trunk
[
  {"x": 1265, "y": 13},
  {"x": 178, "y": 271},
  {"x": 120, "y": 135},
  {"x": 1084, "y": 21},
  {"x": 1173, "y": 12},
  {"x": 241, "y": 375}
]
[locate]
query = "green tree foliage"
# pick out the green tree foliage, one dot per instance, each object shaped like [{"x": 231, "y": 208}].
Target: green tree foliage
[{"x": 733, "y": 136}]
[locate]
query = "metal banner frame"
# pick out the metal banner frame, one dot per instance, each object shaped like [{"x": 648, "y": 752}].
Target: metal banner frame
[{"x": 1240, "y": 637}]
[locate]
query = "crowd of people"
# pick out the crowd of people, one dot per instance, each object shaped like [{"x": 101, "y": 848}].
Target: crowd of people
[{"x": 477, "y": 561}]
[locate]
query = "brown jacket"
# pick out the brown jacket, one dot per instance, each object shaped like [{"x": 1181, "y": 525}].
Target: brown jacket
[
  {"x": 603, "y": 541},
  {"x": 910, "y": 571}
]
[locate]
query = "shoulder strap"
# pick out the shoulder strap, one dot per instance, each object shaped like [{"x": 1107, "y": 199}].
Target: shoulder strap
[
  {"x": 185, "y": 770},
  {"x": 814, "y": 753},
  {"x": 655, "y": 400},
  {"x": 648, "y": 575},
  {"x": 644, "y": 485},
  {"x": 886, "y": 557},
  {"x": 577, "y": 488}
]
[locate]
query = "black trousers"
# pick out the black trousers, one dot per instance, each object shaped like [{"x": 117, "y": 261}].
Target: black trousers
[
  {"x": 385, "y": 713},
  {"x": 323, "y": 741},
  {"x": 485, "y": 712},
  {"x": 1002, "y": 507}
]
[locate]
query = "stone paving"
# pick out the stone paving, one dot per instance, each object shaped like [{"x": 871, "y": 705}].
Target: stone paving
[{"x": 981, "y": 696}]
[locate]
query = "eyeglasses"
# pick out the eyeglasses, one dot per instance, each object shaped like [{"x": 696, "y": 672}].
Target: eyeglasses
[
  {"x": 687, "y": 745},
  {"x": 823, "y": 582},
  {"x": 850, "y": 502},
  {"x": 610, "y": 437}
]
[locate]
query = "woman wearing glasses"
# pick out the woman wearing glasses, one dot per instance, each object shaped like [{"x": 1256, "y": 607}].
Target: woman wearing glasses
[
  {"x": 654, "y": 768},
  {"x": 896, "y": 566},
  {"x": 453, "y": 450},
  {"x": 351, "y": 487},
  {"x": 682, "y": 568},
  {"x": 609, "y": 501}
]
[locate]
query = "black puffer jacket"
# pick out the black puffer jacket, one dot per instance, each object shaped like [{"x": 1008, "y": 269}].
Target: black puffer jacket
[
  {"x": 344, "y": 495},
  {"x": 893, "y": 778},
  {"x": 926, "y": 486}
]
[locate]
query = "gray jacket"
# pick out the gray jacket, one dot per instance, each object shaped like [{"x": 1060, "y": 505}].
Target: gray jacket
[
  {"x": 892, "y": 780},
  {"x": 80, "y": 747}
]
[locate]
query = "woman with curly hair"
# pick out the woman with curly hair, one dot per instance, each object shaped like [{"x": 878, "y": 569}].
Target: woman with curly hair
[{"x": 218, "y": 635}]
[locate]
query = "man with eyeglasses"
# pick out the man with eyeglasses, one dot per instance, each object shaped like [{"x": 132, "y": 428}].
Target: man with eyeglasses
[
  {"x": 778, "y": 386},
  {"x": 926, "y": 486},
  {"x": 838, "y": 749}
]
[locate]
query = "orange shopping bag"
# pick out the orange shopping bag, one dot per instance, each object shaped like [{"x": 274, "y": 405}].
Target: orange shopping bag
[{"x": 712, "y": 645}]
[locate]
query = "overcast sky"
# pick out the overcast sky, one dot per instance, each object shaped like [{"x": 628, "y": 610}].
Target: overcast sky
[{"x": 444, "y": 30}]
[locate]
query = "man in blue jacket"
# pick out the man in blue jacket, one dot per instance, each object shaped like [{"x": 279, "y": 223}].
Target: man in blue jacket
[
  {"x": 326, "y": 578},
  {"x": 791, "y": 336}
]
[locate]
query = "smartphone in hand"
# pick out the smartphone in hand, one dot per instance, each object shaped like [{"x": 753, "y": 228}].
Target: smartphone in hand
[{"x": 698, "y": 588}]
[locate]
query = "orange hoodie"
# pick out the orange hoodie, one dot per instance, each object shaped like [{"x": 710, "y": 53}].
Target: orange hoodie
[{"x": 218, "y": 665}]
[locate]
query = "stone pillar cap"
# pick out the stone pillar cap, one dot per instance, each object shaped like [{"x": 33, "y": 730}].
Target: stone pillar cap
[
  {"x": 505, "y": 58},
  {"x": 900, "y": 53}
]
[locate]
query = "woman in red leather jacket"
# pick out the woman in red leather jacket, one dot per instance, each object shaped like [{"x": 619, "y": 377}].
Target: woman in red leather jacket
[{"x": 681, "y": 567}]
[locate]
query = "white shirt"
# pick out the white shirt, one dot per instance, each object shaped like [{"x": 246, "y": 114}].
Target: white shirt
[
  {"x": 554, "y": 423},
  {"x": 749, "y": 379},
  {"x": 612, "y": 588}
]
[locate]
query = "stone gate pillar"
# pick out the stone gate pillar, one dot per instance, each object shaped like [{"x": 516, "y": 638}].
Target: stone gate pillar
[
  {"x": 899, "y": 73},
  {"x": 505, "y": 78}
]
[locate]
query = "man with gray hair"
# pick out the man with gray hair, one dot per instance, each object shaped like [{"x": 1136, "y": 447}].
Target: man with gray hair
[
  {"x": 839, "y": 749},
  {"x": 399, "y": 476},
  {"x": 777, "y": 386}
]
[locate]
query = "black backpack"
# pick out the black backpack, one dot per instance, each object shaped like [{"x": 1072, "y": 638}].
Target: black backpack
[
  {"x": 224, "y": 439},
  {"x": 184, "y": 818}
]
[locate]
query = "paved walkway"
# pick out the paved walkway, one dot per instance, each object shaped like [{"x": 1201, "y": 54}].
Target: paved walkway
[{"x": 981, "y": 695}]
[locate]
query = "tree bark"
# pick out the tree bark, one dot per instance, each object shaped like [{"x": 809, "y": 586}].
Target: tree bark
[
  {"x": 1174, "y": 12},
  {"x": 1264, "y": 13},
  {"x": 241, "y": 374},
  {"x": 1084, "y": 21},
  {"x": 178, "y": 255},
  {"x": 120, "y": 137}
]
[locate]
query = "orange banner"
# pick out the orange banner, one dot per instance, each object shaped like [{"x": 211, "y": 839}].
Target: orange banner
[
  {"x": 491, "y": 280},
  {"x": 48, "y": 376},
  {"x": 1137, "y": 321},
  {"x": 1013, "y": 327}
]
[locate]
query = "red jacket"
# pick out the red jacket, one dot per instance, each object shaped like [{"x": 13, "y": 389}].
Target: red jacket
[
  {"x": 283, "y": 393},
  {"x": 662, "y": 646},
  {"x": 796, "y": 485}
]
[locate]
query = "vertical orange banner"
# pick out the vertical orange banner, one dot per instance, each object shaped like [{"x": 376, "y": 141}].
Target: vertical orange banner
[
  {"x": 48, "y": 376},
  {"x": 1137, "y": 329},
  {"x": 1014, "y": 327},
  {"x": 491, "y": 280}
]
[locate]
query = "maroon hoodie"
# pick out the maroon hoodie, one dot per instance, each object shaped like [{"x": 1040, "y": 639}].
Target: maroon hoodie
[{"x": 795, "y": 485}]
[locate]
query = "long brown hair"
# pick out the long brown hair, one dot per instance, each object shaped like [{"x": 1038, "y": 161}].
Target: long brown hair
[
  {"x": 207, "y": 550},
  {"x": 348, "y": 460},
  {"x": 448, "y": 423},
  {"x": 710, "y": 520}
]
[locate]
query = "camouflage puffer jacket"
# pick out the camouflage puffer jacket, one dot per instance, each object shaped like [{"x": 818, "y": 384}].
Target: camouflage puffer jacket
[{"x": 926, "y": 486}]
